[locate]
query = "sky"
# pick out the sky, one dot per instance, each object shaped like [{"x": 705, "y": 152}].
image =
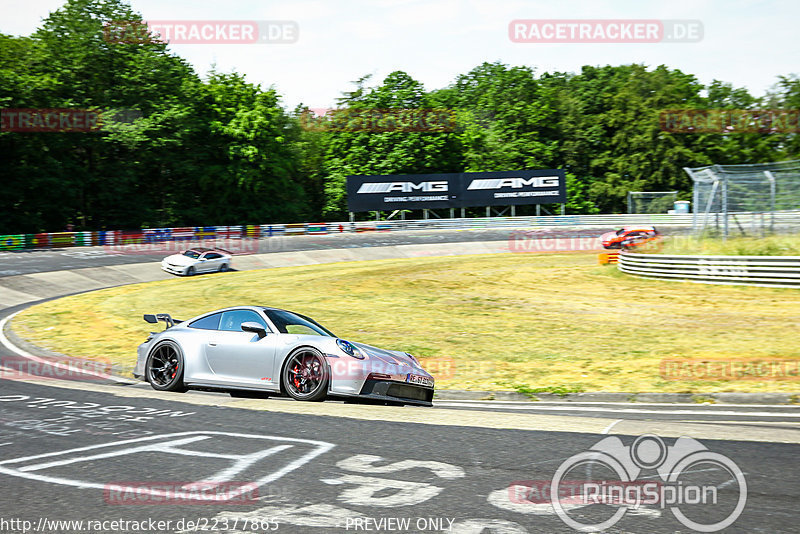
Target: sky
[{"x": 748, "y": 43}]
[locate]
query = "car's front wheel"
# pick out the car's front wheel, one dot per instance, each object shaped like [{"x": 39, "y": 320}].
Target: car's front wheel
[
  {"x": 190, "y": 271},
  {"x": 164, "y": 369},
  {"x": 305, "y": 375}
]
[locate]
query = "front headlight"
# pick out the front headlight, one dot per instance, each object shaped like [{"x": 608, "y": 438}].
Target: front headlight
[{"x": 350, "y": 349}]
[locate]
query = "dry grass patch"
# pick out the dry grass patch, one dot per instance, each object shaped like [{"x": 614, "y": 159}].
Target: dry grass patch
[{"x": 555, "y": 322}]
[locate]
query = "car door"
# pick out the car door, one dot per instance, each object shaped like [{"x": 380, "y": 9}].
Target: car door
[
  {"x": 203, "y": 263},
  {"x": 213, "y": 261},
  {"x": 242, "y": 358}
]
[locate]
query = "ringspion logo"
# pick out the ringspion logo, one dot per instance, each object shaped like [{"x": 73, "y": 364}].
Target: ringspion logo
[{"x": 686, "y": 478}]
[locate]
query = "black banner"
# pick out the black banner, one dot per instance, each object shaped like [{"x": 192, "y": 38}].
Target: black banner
[
  {"x": 402, "y": 191},
  {"x": 455, "y": 190}
]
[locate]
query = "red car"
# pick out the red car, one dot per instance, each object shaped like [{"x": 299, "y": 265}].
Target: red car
[{"x": 630, "y": 237}]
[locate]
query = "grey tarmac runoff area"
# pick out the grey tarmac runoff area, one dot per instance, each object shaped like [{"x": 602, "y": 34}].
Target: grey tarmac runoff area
[{"x": 75, "y": 450}]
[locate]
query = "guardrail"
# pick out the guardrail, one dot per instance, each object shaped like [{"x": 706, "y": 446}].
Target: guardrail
[
  {"x": 194, "y": 233},
  {"x": 764, "y": 271}
]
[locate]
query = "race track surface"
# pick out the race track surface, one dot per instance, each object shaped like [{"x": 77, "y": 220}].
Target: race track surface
[{"x": 121, "y": 457}]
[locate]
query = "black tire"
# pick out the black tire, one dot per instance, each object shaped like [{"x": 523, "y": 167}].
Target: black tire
[
  {"x": 190, "y": 271},
  {"x": 223, "y": 268},
  {"x": 305, "y": 375},
  {"x": 164, "y": 368}
]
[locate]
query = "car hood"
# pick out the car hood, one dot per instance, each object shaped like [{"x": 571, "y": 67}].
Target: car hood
[
  {"x": 180, "y": 259},
  {"x": 391, "y": 357}
]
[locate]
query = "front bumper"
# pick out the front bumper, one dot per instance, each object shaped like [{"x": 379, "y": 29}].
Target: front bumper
[
  {"x": 389, "y": 391},
  {"x": 173, "y": 269}
]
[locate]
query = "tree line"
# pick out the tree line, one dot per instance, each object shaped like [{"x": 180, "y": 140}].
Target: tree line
[{"x": 221, "y": 150}]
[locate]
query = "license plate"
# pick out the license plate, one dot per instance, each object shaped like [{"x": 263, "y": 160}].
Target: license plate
[{"x": 421, "y": 380}]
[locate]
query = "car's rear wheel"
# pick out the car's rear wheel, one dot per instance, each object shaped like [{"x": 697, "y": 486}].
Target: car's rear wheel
[
  {"x": 164, "y": 369},
  {"x": 223, "y": 267},
  {"x": 190, "y": 271},
  {"x": 305, "y": 375}
]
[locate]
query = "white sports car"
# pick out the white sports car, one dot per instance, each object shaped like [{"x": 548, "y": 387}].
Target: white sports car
[
  {"x": 197, "y": 260},
  {"x": 263, "y": 351}
]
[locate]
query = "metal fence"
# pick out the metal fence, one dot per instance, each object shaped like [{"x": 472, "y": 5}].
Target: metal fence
[
  {"x": 722, "y": 193},
  {"x": 766, "y": 271},
  {"x": 651, "y": 201}
]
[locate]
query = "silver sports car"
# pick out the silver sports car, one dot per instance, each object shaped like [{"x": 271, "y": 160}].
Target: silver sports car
[
  {"x": 197, "y": 260},
  {"x": 262, "y": 351}
]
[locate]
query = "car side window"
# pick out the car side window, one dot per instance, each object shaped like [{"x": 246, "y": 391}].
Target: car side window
[
  {"x": 213, "y": 256},
  {"x": 232, "y": 320},
  {"x": 210, "y": 322}
]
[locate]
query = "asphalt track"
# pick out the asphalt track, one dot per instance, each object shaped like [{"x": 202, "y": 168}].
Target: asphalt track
[
  {"x": 47, "y": 260},
  {"x": 465, "y": 467}
]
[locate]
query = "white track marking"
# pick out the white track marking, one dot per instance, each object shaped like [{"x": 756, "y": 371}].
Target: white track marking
[
  {"x": 366, "y": 488},
  {"x": 167, "y": 445},
  {"x": 609, "y": 427},
  {"x": 362, "y": 463}
]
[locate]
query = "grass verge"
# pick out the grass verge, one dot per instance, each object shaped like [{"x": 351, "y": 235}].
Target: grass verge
[
  {"x": 550, "y": 322},
  {"x": 774, "y": 245}
]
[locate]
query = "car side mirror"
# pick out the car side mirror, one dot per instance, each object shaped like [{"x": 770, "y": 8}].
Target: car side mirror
[{"x": 255, "y": 328}]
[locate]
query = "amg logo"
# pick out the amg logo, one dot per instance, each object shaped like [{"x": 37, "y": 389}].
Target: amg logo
[
  {"x": 516, "y": 183},
  {"x": 402, "y": 187}
]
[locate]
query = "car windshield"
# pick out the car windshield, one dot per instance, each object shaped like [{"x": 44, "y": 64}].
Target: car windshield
[
  {"x": 291, "y": 323},
  {"x": 192, "y": 254}
]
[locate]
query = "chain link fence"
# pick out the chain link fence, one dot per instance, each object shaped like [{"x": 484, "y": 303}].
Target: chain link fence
[
  {"x": 744, "y": 199},
  {"x": 651, "y": 201}
]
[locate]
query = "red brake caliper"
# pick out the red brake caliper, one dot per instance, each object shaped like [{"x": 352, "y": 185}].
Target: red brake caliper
[{"x": 296, "y": 371}]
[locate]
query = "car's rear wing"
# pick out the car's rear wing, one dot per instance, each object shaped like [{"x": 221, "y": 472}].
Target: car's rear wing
[{"x": 154, "y": 318}]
